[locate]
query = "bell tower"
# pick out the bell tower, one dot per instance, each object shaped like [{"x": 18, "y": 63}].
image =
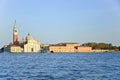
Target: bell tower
[{"x": 15, "y": 33}]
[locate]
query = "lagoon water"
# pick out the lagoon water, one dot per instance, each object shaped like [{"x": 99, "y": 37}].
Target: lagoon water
[{"x": 81, "y": 66}]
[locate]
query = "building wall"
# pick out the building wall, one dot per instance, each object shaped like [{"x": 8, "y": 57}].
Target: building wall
[
  {"x": 13, "y": 48},
  {"x": 32, "y": 46},
  {"x": 16, "y": 49},
  {"x": 61, "y": 49},
  {"x": 84, "y": 49},
  {"x": 69, "y": 47},
  {"x": 44, "y": 48}
]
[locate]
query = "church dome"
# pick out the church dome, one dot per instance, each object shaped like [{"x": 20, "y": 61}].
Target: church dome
[{"x": 29, "y": 37}]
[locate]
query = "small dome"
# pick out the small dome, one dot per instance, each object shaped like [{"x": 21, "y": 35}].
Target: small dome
[{"x": 29, "y": 37}]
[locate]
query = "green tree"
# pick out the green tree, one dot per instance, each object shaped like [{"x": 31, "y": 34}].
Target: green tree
[{"x": 105, "y": 46}]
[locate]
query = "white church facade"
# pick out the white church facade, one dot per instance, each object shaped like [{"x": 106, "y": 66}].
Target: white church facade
[{"x": 31, "y": 45}]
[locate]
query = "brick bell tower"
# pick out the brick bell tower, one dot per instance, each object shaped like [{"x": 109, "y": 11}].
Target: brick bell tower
[{"x": 15, "y": 33}]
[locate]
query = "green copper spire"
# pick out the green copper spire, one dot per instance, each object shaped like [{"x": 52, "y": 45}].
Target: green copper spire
[
  {"x": 15, "y": 30},
  {"x": 15, "y": 26}
]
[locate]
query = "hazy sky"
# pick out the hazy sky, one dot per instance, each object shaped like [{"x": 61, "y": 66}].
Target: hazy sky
[{"x": 54, "y": 21}]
